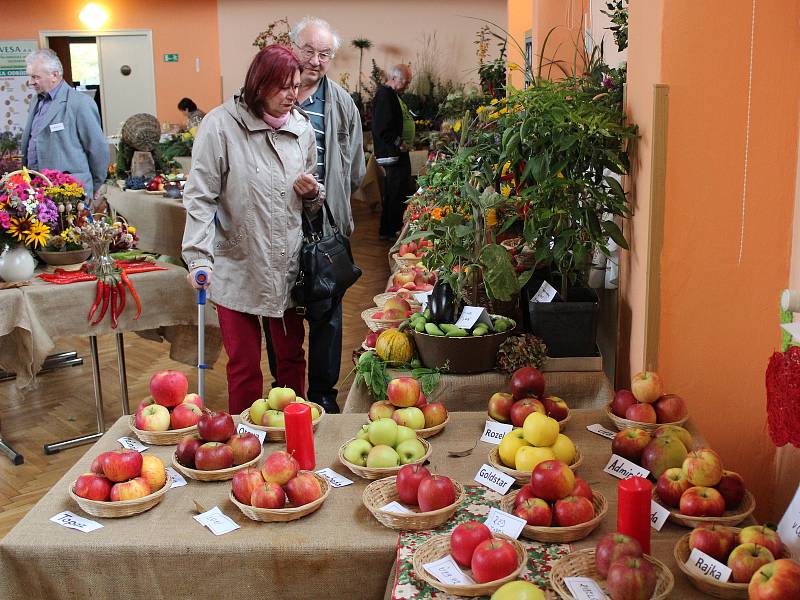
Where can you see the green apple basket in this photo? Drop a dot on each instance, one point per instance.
(523, 477)
(372, 473)
(429, 432)
(121, 508)
(278, 434)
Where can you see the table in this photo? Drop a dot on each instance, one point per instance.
(159, 220)
(339, 549)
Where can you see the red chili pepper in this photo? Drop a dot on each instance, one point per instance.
(96, 304)
(114, 294)
(134, 295)
(121, 298)
(106, 294)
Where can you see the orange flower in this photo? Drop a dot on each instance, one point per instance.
(491, 217)
(436, 214)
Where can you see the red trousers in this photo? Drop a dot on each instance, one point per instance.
(241, 336)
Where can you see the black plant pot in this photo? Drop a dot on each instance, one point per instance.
(567, 328)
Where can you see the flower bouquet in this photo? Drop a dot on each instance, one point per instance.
(27, 212)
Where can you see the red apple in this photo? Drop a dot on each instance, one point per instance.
(715, 540)
(646, 387)
(153, 418)
(168, 388)
(245, 482)
(213, 456)
(403, 391)
(408, 479)
(435, 414)
(535, 511)
(186, 414)
(193, 399)
(671, 485)
(732, 488)
(246, 446)
(93, 487)
(622, 400)
(573, 510)
(527, 381)
(303, 489)
(701, 501)
(381, 409)
(465, 538)
(613, 546)
(435, 492)
(403, 276)
(631, 579)
(582, 488)
(703, 467)
(663, 453)
(422, 401)
(763, 536)
(186, 450)
(144, 404)
(746, 559)
(670, 408)
(555, 407)
(280, 467)
(522, 408)
(552, 480)
(215, 426)
(630, 443)
(642, 413)
(493, 559)
(130, 490)
(97, 463)
(779, 580)
(268, 495)
(122, 464)
(500, 407)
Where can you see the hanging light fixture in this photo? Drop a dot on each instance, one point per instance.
(93, 16)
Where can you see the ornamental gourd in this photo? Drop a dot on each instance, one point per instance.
(394, 346)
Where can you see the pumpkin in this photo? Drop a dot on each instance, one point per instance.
(394, 346)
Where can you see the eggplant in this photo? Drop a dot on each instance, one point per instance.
(442, 303)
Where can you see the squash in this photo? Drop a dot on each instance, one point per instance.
(393, 346)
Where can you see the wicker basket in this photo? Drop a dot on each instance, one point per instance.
(522, 477)
(283, 515)
(439, 546)
(160, 438)
(581, 564)
(406, 262)
(562, 424)
(709, 586)
(730, 518)
(278, 434)
(122, 508)
(429, 432)
(142, 131)
(376, 324)
(621, 423)
(381, 299)
(559, 535)
(375, 472)
(383, 491)
(218, 475)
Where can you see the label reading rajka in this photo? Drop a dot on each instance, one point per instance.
(261, 435)
(218, 522)
(600, 430)
(503, 522)
(334, 478)
(703, 564)
(447, 571)
(584, 588)
(132, 444)
(789, 525)
(494, 479)
(493, 432)
(658, 515)
(73, 521)
(622, 468)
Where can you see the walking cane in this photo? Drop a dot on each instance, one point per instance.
(201, 277)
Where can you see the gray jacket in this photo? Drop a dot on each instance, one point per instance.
(243, 218)
(71, 139)
(344, 154)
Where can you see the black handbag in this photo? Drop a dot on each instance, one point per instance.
(326, 264)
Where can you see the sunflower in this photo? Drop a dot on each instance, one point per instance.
(37, 234)
(19, 228)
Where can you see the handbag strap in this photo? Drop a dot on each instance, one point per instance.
(308, 229)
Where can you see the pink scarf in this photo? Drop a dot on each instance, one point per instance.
(276, 122)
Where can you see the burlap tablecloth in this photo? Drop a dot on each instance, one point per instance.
(340, 551)
(159, 221)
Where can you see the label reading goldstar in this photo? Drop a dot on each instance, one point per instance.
(494, 479)
(494, 432)
(622, 468)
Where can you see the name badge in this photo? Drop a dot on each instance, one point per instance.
(494, 432)
(658, 515)
(702, 563)
(132, 444)
(73, 521)
(56, 127)
(503, 522)
(447, 571)
(584, 588)
(600, 430)
(622, 468)
(494, 479)
(261, 435)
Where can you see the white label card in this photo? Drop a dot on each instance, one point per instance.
(56, 127)
(789, 525)
(73, 521)
(261, 435)
(600, 430)
(334, 478)
(584, 588)
(396, 507)
(217, 521)
(177, 478)
(494, 479)
(494, 432)
(132, 444)
(503, 522)
(622, 468)
(658, 515)
(447, 571)
(702, 563)
(422, 298)
(471, 315)
(546, 293)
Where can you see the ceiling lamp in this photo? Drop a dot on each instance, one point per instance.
(93, 16)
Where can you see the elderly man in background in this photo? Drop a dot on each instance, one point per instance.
(63, 131)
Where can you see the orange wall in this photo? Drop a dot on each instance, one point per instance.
(566, 18)
(188, 29)
(520, 20)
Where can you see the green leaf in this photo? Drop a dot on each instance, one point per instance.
(498, 272)
(615, 234)
(417, 235)
(615, 187)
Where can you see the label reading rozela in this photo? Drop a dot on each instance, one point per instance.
(494, 432)
(707, 566)
(494, 479)
(622, 468)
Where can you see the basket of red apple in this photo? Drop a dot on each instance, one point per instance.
(381, 448)
(557, 506)
(394, 312)
(411, 254)
(414, 279)
(121, 483)
(413, 500)
(538, 440)
(279, 491)
(701, 491)
(750, 553)
(408, 407)
(618, 565)
(266, 414)
(645, 406)
(169, 413)
(401, 294)
(527, 395)
(216, 452)
(488, 559)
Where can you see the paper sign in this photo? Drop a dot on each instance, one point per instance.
(261, 435)
(471, 315)
(502, 522)
(177, 478)
(447, 571)
(334, 478)
(600, 430)
(396, 507)
(622, 468)
(584, 588)
(546, 293)
(132, 444)
(702, 563)
(494, 432)
(658, 515)
(789, 526)
(73, 521)
(217, 521)
(793, 329)
(494, 479)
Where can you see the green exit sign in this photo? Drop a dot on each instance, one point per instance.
(170, 58)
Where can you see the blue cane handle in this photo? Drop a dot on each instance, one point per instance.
(201, 278)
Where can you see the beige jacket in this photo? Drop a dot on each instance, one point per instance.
(243, 219)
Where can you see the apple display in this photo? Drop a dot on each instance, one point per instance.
(670, 486)
(647, 386)
(493, 559)
(535, 511)
(732, 488)
(408, 479)
(663, 453)
(528, 457)
(382, 457)
(279, 467)
(500, 405)
(435, 492)
(153, 418)
(540, 430)
(435, 414)
(93, 487)
(130, 490)
(356, 452)
(630, 443)
(122, 465)
(622, 400)
(184, 415)
(763, 536)
(552, 480)
(465, 538)
(383, 432)
(572, 510)
(779, 580)
(186, 450)
(555, 407)
(702, 502)
(268, 495)
(745, 560)
(257, 410)
(215, 426)
(703, 467)
(213, 456)
(715, 540)
(564, 449)
(631, 579)
(403, 391)
(507, 450)
(303, 489)
(670, 408)
(279, 397)
(612, 547)
(676, 431)
(410, 451)
(245, 482)
(526, 382)
(582, 488)
(246, 446)
(641, 413)
(382, 409)
(522, 408)
(168, 388)
(193, 399)
(410, 416)
(273, 418)
(153, 472)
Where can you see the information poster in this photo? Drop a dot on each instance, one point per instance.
(15, 95)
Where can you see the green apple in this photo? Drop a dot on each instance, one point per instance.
(383, 432)
(279, 397)
(382, 456)
(405, 433)
(314, 409)
(273, 418)
(363, 433)
(356, 452)
(257, 410)
(410, 416)
(410, 451)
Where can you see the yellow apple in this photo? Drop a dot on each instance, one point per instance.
(540, 430)
(564, 449)
(528, 457)
(509, 445)
(153, 471)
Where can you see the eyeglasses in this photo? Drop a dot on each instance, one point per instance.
(307, 53)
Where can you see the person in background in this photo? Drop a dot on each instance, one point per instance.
(392, 124)
(193, 114)
(63, 131)
(252, 176)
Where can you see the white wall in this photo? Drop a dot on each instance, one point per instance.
(597, 26)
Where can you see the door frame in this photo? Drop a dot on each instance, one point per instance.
(148, 33)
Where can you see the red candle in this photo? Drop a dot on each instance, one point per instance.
(299, 434)
(633, 509)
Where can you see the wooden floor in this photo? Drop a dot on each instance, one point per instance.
(62, 406)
